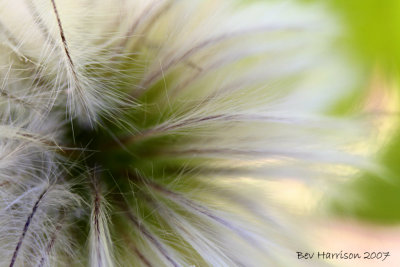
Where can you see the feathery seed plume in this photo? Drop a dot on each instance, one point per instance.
(138, 132)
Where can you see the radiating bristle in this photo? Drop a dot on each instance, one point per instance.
(136, 132)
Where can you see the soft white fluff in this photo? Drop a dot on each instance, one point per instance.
(199, 94)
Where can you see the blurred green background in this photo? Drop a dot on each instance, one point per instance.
(371, 38)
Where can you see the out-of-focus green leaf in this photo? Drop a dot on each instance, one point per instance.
(372, 37)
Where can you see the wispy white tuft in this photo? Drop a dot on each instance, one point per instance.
(100, 240)
(185, 109)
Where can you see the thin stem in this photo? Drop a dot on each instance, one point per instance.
(26, 227)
